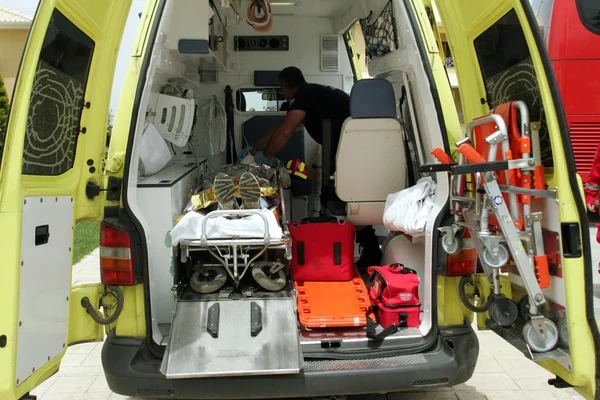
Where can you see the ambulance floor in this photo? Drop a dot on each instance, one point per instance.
(502, 372)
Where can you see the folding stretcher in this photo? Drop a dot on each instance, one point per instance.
(500, 160)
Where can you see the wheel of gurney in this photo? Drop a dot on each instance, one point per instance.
(504, 311)
(498, 261)
(208, 279)
(269, 275)
(454, 247)
(524, 308)
(563, 332)
(535, 342)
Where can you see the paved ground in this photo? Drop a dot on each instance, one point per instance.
(502, 372)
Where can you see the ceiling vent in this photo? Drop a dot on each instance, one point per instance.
(330, 53)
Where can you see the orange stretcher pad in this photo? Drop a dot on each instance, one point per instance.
(333, 304)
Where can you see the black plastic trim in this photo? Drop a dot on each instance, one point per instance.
(570, 165)
(350, 54)
(131, 371)
(466, 169)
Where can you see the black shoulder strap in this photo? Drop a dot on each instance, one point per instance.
(372, 332)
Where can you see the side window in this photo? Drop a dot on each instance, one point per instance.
(57, 99)
(261, 100)
(508, 73)
(589, 12)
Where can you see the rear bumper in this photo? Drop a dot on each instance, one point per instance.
(132, 371)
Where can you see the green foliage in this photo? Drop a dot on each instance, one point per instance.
(3, 108)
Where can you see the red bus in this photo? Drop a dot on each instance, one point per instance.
(571, 29)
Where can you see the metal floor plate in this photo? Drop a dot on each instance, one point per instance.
(233, 338)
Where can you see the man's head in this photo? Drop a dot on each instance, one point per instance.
(290, 79)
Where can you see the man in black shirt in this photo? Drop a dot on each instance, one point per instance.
(310, 105)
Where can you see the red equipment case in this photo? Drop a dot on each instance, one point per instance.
(394, 292)
(322, 250)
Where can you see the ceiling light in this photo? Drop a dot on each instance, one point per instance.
(283, 4)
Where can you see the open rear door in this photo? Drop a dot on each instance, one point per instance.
(500, 57)
(52, 156)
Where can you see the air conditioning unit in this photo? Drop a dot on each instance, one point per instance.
(330, 53)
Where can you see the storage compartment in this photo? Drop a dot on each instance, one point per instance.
(162, 196)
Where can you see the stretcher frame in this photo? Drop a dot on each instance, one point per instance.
(232, 252)
(520, 234)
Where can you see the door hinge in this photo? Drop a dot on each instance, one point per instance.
(113, 192)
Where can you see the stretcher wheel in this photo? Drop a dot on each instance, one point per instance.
(524, 307)
(497, 261)
(563, 331)
(269, 275)
(535, 342)
(504, 311)
(208, 279)
(453, 247)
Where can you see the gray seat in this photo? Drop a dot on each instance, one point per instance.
(371, 161)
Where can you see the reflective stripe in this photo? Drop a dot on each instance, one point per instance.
(301, 175)
(115, 253)
(592, 187)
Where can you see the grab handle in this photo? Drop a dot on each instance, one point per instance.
(229, 213)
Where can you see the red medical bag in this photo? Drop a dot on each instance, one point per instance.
(322, 250)
(394, 292)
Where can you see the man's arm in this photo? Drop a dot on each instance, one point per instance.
(283, 133)
(261, 142)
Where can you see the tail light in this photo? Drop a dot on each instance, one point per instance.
(116, 268)
(463, 263)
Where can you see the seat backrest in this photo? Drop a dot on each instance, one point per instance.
(371, 159)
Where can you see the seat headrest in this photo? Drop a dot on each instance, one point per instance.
(372, 98)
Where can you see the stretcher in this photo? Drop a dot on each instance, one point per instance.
(501, 161)
(237, 254)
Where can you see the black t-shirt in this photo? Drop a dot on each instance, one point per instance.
(322, 103)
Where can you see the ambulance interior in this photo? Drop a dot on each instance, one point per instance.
(211, 88)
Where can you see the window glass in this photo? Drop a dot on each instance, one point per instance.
(261, 100)
(589, 12)
(508, 73)
(57, 98)
(543, 15)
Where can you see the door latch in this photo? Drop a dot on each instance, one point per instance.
(113, 191)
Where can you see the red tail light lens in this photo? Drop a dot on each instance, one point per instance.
(115, 257)
(463, 263)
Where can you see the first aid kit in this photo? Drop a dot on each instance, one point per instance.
(394, 293)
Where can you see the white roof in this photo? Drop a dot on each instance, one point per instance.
(14, 19)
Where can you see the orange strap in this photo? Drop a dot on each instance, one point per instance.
(542, 272)
(471, 154)
(441, 156)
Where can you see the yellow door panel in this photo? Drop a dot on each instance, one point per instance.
(499, 60)
(54, 149)
(82, 329)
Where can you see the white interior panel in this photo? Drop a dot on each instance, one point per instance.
(45, 282)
